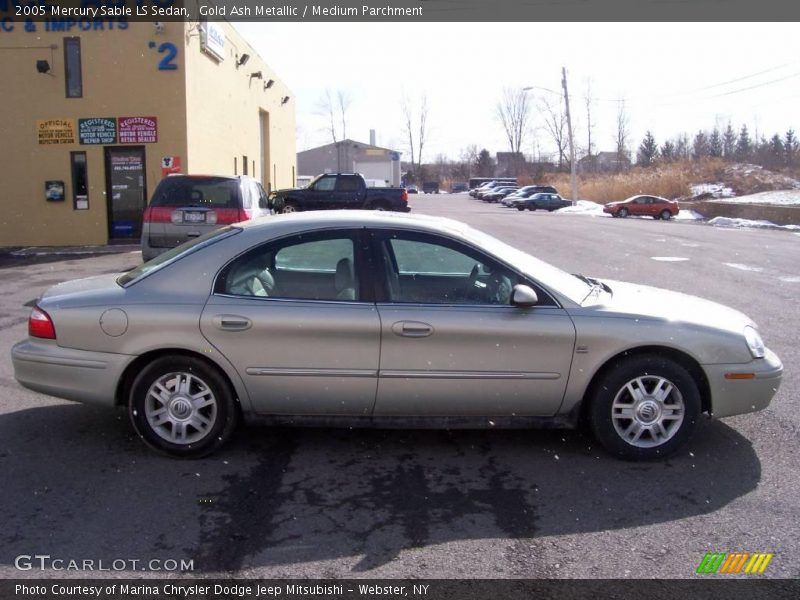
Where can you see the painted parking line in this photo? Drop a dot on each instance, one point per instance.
(669, 258)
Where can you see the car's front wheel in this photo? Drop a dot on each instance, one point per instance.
(623, 212)
(666, 215)
(644, 407)
(290, 207)
(183, 407)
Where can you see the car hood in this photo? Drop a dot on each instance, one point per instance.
(284, 191)
(613, 203)
(645, 302)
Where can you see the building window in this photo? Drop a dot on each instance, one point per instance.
(244, 165)
(72, 67)
(80, 181)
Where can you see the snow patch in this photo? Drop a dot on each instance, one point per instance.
(790, 278)
(742, 267)
(584, 207)
(688, 215)
(714, 190)
(780, 197)
(669, 258)
(749, 223)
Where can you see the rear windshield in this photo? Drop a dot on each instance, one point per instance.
(170, 256)
(210, 192)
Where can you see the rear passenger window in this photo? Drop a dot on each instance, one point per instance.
(348, 184)
(297, 268)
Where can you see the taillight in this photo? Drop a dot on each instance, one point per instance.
(404, 196)
(226, 216)
(40, 325)
(157, 214)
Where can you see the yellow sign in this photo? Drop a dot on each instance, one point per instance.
(56, 131)
(375, 152)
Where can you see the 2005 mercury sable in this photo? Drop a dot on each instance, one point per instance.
(383, 319)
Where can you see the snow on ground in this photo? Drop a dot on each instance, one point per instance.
(689, 215)
(584, 207)
(717, 190)
(782, 197)
(737, 223)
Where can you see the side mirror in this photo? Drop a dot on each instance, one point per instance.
(524, 296)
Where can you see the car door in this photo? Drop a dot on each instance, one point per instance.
(451, 342)
(349, 189)
(323, 194)
(293, 318)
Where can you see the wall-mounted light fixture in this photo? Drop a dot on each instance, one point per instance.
(242, 60)
(256, 75)
(269, 84)
(284, 100)
(42, 66)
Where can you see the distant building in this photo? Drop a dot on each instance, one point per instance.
(604, 162)
(349, 156)
(509, 164)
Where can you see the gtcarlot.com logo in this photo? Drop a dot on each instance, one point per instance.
(45, 562)
(748, 563)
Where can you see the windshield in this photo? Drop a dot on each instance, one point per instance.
(176, 253)
(570, 286)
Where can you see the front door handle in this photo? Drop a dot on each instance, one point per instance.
(231, 322)
(412, 329)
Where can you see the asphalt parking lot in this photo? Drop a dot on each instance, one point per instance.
(77, 484)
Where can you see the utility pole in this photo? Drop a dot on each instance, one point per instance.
(572, 178)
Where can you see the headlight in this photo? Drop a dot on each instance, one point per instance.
(754, 342)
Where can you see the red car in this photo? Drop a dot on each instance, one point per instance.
(643, 206)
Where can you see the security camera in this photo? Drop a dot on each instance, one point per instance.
(159, 26)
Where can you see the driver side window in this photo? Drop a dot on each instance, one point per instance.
(426, 270)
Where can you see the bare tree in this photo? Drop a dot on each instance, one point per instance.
(344, 101)
(555, 123)
(327, 109)
(412, 126)
(513, 111)
(622, 135)
(589, 124)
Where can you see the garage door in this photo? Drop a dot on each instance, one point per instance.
(375, 170)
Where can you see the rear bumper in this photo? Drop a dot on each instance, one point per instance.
(79, 375)
(739, 396)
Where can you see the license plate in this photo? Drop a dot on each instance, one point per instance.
(194, 217)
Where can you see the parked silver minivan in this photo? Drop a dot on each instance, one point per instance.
(187, 206)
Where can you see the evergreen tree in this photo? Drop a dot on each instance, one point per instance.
(744, 147)
(682, 147)
(791, 148)
(700, 146)
(668, 151)
(648, 150)
(776, 151)
(484, 165)
(715, 144)
(729, 142)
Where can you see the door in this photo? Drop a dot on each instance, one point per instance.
(126, 191)
(350, 191)
(322, 195)
(452, 343)
(291, 317)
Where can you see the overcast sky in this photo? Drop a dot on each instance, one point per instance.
(674, 77)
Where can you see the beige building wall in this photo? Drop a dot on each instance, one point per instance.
(208, 113)
(120, 78)
(227, 108)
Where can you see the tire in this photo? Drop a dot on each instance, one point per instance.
(205, 422)
(632, 416)
(521, 208)
(666, 215)
(380, 206)
(290, 207)
(623, 212)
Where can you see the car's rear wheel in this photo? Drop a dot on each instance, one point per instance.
(644, 407)
(623, 212)
(182, 406)
(666, 215)
(521, 208)
(290, 207)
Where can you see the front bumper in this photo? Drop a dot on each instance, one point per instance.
(739, 396)
(79, 375)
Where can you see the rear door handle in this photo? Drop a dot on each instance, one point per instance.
(231, 322)
(412, 329)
